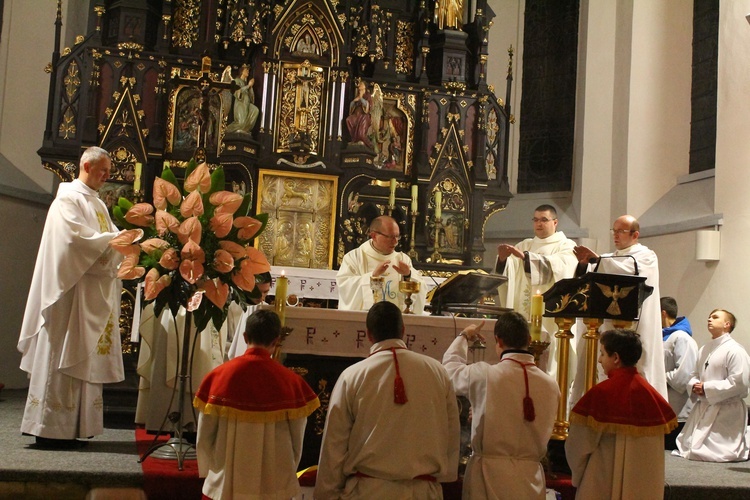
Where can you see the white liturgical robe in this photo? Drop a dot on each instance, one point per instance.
(375, 448)
(353, 279)
(651, 364)
(70, 338)
(715, 429)
(550, 260)
(507, 450)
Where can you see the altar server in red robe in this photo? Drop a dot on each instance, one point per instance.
(253, 413)
(615, 447)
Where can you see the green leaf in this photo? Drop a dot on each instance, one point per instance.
(218, 181)
(120, 218)
(245, 206)
(168, 175)
(124, 203)
(201, 317)
(218, 316)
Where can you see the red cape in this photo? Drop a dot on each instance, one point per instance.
(625, 403)
(255, 388)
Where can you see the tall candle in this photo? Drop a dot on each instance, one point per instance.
(282, 285)
(392, 196)
(537, 309)
(137, 180)
(414, 192)
(438, 204)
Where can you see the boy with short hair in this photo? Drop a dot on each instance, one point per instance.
(715, 429)
(615, 447)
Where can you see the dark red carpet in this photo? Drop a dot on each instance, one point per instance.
(162, 480)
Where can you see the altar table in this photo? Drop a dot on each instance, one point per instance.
(331, 332)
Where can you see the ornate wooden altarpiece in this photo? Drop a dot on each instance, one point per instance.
(154, 81)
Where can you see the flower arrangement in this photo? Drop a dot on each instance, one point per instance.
(192, 245)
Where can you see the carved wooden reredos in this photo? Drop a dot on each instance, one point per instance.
(341, 97)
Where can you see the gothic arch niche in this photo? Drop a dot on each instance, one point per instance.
(454, 219)
(309, 24)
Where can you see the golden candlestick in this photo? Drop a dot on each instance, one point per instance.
(412, 244)
(537, 348)
(563, 336)
(408, 287)
(436, 256)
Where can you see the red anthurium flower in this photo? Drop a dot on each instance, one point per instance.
(170, 259)
(244, 278)
(190, 229)
(192, 205)
(154, 246)
(248, 227)
(140, 215)
(235, 249)
(193, 257)
(223, 261)
(225, 201)
(200, 178)
(165, 191)
(257, 260)
(154, 284)
(216, 291)
(125, 239)
(129, 269)
(166, 222)
(221, 224)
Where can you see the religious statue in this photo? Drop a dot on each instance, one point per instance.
(245, 111)
(359, 120)
(305, 45)
(449, 14)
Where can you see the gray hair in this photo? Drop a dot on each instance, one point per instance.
(94, 154)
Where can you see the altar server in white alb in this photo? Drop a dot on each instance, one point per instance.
(70, 338)
(533, 266)
(377, 257)
(630, 255)
(392, 429)
(514, 405)
(715, 429)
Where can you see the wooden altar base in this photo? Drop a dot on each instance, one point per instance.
(111, 461)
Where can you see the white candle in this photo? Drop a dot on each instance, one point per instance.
(438, 204)
(137, 180)
(414, 191)
(392, 196)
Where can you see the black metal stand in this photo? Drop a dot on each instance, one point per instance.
(176, 448)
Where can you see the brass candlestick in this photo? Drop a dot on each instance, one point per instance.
(436, 256)
(408, 287)
(537, 348)
(412, 244)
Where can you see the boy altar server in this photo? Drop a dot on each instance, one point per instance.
(615, 448)
(513, 403)
(715, 429)
(253, 413)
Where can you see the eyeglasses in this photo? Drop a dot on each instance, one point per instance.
(394, 237)
(543, 219)
(620, 231)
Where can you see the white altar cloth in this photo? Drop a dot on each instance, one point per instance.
(330, 332)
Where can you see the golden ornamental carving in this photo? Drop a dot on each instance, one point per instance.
(301, 108)
(72, 81)
(301, 208)
(186, 22)
(130, 46)
(577, 301)
(404, 47)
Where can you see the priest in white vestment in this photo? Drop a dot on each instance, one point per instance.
(533, 266)
(514, 405)
(374, 258)
(715, 429)
(392, 429)
(70, 337)
(159, 363)
(630, 255)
